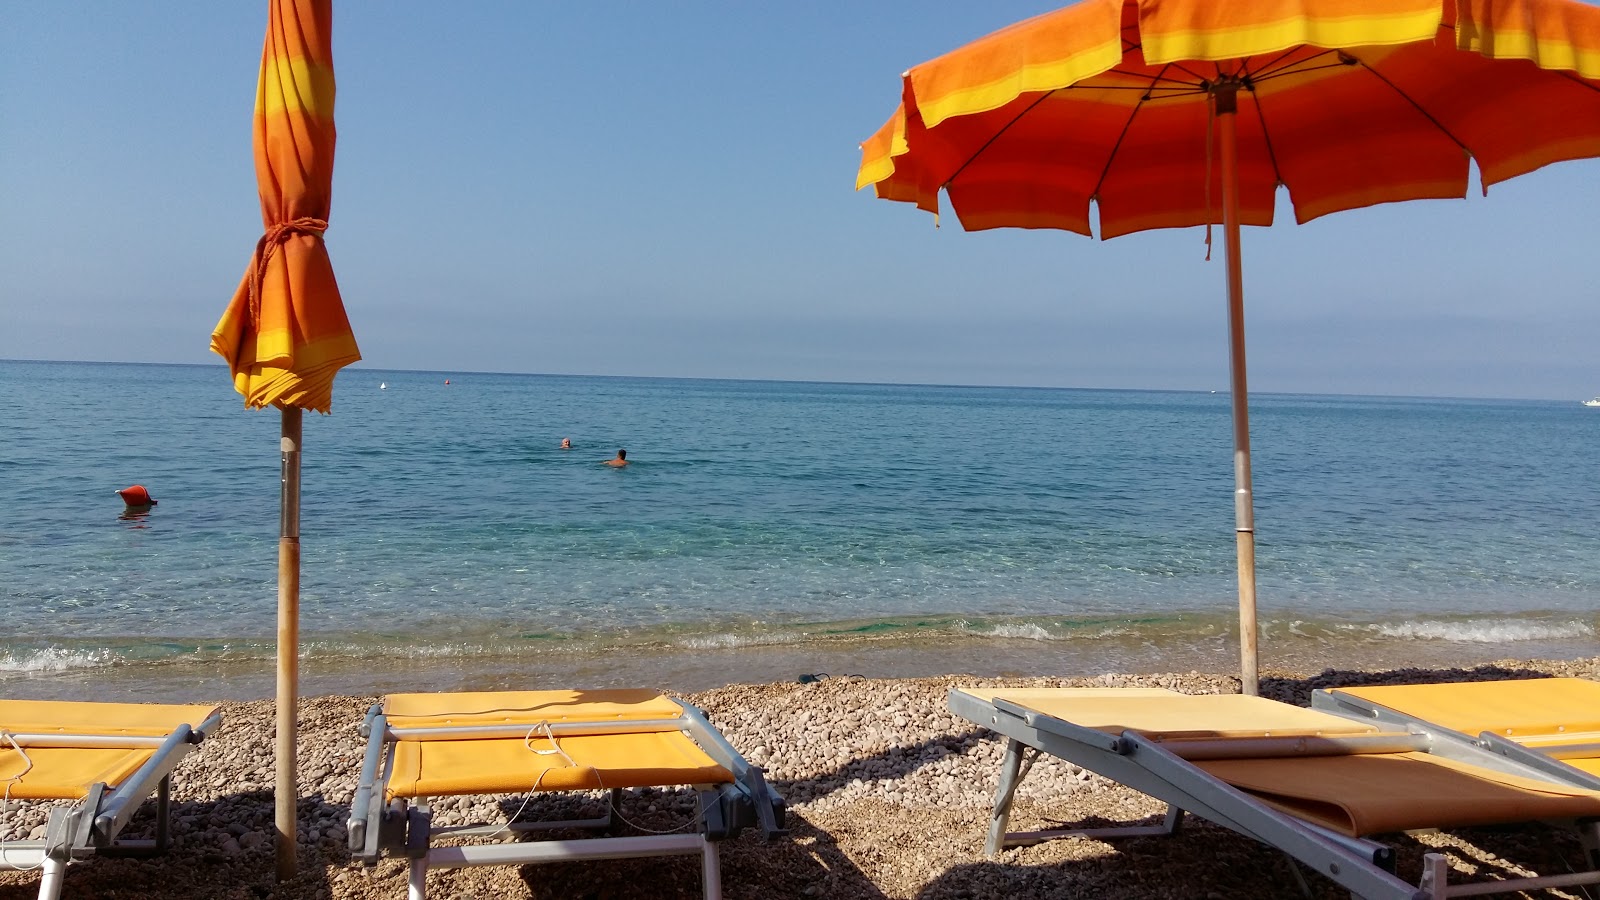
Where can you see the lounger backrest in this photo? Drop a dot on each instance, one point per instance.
(60, 717)
(1526, 711)
(528, 708)
(1170, 716)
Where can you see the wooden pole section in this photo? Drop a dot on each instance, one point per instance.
(1244, 516)
(287, 793)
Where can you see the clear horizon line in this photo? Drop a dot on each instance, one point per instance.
(910, 384)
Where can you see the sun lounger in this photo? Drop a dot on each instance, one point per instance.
(108, 757)
(520, 742)
(1308, 782)
(1551, 724)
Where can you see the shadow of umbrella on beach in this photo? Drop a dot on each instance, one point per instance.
(1190, 112)
(285, 334)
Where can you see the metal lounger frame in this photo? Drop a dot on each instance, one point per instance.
(1545, 760)
(1362, 866)
(94, 824)
(726, 809)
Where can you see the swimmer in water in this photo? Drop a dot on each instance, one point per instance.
(621, 460)
(566, 443)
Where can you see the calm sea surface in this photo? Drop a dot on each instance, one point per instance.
(767, 529)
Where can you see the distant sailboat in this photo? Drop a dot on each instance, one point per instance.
(383, 385)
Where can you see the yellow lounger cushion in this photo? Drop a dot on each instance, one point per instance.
(1373, 794)
(66, 773)
(64, 717)
(526, 707)
(1163, 715)
(1520, 710)
(509, 766)
(664, 757)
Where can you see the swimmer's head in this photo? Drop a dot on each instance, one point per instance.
(622, 454)
(566, 443)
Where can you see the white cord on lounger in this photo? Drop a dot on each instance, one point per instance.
(555, 750)
(27, 766)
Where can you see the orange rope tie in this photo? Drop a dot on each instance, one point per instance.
(268, 245)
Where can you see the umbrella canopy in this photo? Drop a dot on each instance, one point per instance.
(1347, 103)
(285, 334)
(1169, 113)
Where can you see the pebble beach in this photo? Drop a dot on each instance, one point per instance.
(889, 797)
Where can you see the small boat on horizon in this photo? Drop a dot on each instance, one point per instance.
(383, 385)
(1594, 402)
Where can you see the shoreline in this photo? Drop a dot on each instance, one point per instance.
(889, 798)
(684, 670)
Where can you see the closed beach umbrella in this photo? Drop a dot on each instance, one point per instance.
(1170, 113)
(285, 334)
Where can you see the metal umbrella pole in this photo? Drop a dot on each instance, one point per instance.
(1225, 96)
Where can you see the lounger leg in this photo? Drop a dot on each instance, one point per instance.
(1589, 835)
(1435, 870)
(163, 813)
(1010, 777)
(613, 823)
(54, 871)
(419, 836)
(417, 884)
(1299, 877)
(711, 871)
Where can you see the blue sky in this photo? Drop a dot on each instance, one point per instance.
(666, 190)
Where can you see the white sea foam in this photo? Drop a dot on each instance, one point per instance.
(1490, 631)
(54, 659)
(339, 650)
(1023, 630)
(726, 641)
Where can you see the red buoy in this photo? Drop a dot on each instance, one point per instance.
(136, 496)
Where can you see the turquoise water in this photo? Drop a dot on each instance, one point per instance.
(765, 528)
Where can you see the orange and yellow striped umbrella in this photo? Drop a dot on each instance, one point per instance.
(285, 334)
(1347, 103)
(1167, 113)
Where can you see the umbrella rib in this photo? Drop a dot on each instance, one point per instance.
(1266, 138)
(1106, 169)
(1408, 98)
(1267, 71)
(1195, 75)
(1249, 80)
(994, 137)
(1131, 87)
(1160, 76)
(1286, 71)
(1575, 77)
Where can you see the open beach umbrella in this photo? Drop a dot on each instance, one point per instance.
(1170, 113)
(285, 334)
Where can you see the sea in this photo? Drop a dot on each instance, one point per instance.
(769, 530)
